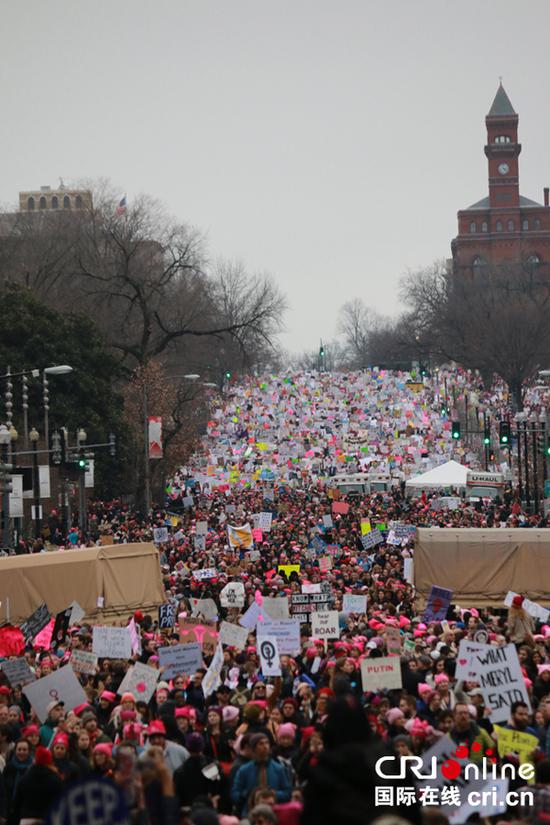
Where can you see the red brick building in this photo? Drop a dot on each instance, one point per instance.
(504, 227)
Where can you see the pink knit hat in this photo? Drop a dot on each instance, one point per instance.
(286, 729)
(393, 715)
(441, 677)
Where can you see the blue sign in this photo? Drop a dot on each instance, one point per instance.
(92, 802)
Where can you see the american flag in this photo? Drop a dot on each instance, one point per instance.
(121, 208)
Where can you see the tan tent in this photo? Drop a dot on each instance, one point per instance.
(482, 566)
(127, 576)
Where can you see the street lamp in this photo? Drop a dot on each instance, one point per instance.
(34, 435)
(56, 369)
(61, 369)
(5, 439)
(81, 438)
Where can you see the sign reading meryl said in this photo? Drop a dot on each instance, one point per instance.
(501, 680)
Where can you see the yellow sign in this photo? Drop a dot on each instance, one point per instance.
(516, 742)
(365, 526)
(287, 569)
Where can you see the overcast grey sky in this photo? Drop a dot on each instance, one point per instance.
(329, 143)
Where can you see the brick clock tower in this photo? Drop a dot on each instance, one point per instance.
(505, 227)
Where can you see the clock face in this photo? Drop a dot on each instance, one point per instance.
(503, 169)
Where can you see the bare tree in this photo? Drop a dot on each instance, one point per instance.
(357, 323)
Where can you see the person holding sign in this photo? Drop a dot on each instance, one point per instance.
(521, 626)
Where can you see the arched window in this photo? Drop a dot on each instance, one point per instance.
(533, 259)
(55, 202)
(473, 227)
(478, 262)
(30, 203)
(66, 202)
(503, 139)
(510, 226)
(499, 226)
(42, 202)
(484, 227)
(78, 202)
(525, 225)
(537, 224)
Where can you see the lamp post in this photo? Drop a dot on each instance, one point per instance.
(5, 439)
(59, 369)
(81, 438)
(34, 435)
(14, 435)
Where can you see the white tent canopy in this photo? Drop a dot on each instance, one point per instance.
(450, 474)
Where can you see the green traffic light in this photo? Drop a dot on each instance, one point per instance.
(82, 463)
(504, 439)
(486, 440)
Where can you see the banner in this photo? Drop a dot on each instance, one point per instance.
(354, 604)
(275, 607)
(167, 615)
(382, 673)
(516, 742)
(205, 573)
(211, 678)
(155, 436)
(179, 659)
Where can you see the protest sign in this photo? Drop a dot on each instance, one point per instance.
(408, 570)
(340, 508)
(383, 673)
(325, 564)
(232, 595)
(311, 588)
(500, 679)
(141, 680)
(275, 608)
(61, 627)
(77, 613)
(445, 751)
(18, 672)
(287, 569)
(354, 604)
(465, 663)
(204, 609)
(167, 615)
(211, 678)
(233, 635)
(519, 743)
(439, 599)
(270, 660)
(240, 537)
(327, 522)
(201, 528)
(199, 543)
(89, 800)
(44, 638)
(36, 622)
(365, 526)
(372, 539)
(205, 573)
(251, 617)
(135, 638)
(160, 535)
(393, 641)
(111, 642)
(83, 662)
(265, 521)
(537, 611)
(309, 602)
(61, 686)
(179, 659)
(286, 631)
(324, 625)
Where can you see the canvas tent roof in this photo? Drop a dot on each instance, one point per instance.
(450, 474)
(480, 565)
(127, 576)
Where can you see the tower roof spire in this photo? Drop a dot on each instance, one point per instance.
(501, 104)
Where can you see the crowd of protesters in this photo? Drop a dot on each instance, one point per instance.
(300, 747)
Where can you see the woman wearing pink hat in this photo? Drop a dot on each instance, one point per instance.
(521, 626)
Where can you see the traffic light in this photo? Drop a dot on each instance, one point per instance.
(82, 463)
(504, 434)
(321, 351)
(228, 375)
(444, 409)
(455, 431)
(487, 436)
